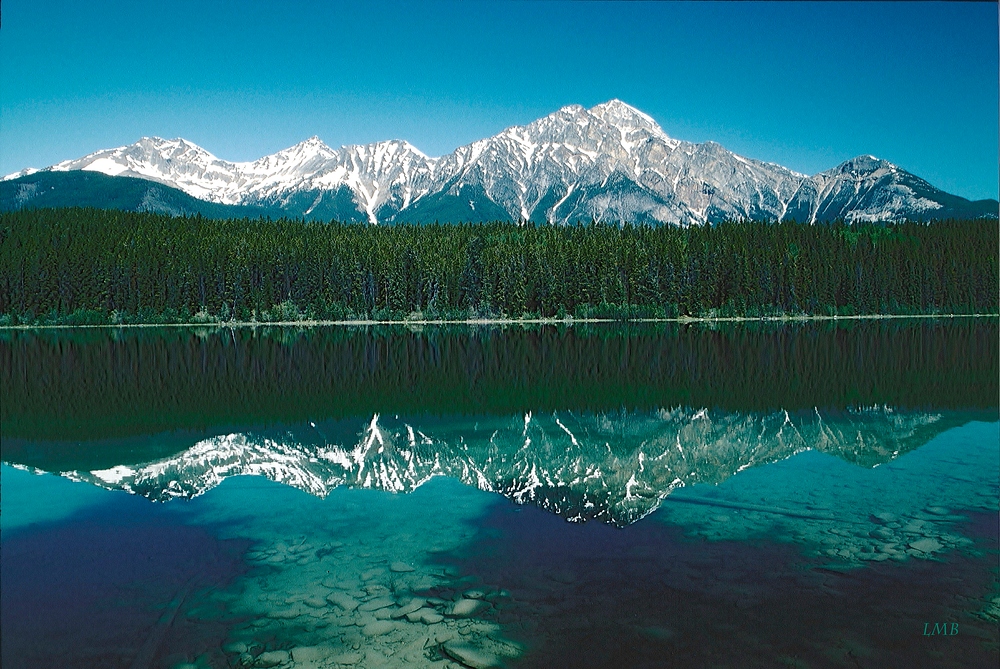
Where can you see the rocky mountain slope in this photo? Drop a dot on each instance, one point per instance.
(615, 468)
(607, 163)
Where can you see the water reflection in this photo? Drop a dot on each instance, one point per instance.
(774, 496)
(611, 467)
(370, 578)
(103, 385)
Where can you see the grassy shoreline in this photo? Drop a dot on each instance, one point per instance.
(499, 321)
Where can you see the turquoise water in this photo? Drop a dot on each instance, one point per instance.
(701, 536)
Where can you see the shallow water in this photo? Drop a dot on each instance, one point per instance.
(606, 529)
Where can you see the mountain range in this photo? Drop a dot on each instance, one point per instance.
(609, 163)
(613, 467)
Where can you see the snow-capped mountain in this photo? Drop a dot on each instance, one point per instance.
(608, 163)
(380, 174)
(615, 468)
(612, 162)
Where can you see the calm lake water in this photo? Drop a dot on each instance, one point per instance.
(804, 495)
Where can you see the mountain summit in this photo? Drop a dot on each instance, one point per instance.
(611, 162)
(613, 468)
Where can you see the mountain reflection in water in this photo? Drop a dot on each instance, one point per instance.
(809, 494)
(611, 467)
(70, 386)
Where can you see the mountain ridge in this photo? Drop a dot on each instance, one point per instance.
(615, 468)
(611, 163)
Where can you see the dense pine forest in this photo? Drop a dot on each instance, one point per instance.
(103, 266)
(110, 383)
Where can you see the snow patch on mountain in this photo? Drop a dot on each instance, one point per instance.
(611, 162)
(615, 468)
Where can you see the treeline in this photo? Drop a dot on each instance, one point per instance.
(88, 265)
(108, 383)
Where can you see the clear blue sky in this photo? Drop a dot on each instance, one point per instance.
(806, 85)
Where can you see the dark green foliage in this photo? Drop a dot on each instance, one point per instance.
(93, 189)
(470, 204)
(106, 383)
(89, 265)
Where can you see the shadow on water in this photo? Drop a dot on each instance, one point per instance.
(69, 388)
(256, 562)
(647, 596)
(102, 587)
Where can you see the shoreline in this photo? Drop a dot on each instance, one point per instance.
(684, 320)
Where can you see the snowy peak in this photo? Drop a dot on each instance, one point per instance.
(617, 113)
(308, 148)
(174, 162)
(864, 166)
(404, 147)
(173, 148)
(312, 141)
(387, 154)
(615, 468)
(299, 160)
(587, 129)
(27, 171)
(610, 163)
(157, 149)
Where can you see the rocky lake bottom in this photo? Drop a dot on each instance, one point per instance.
(619, 495)
(803, 561)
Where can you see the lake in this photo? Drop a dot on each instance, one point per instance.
(813, 494)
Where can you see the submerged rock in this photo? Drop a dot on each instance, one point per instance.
(272, 658)
(883, 533)
(377, 590)
(376, 604)
(342, 600)
(285, 614)
(470, 655)
(312, 653)
(414, 605)
(926, 545)
(400, 567)
(464, 607)
(378, 628)
(426, 616)
(346, 658)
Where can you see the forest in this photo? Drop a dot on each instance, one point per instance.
(118, 383)
(90, 266)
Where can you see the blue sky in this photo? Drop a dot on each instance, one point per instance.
(806, 85)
